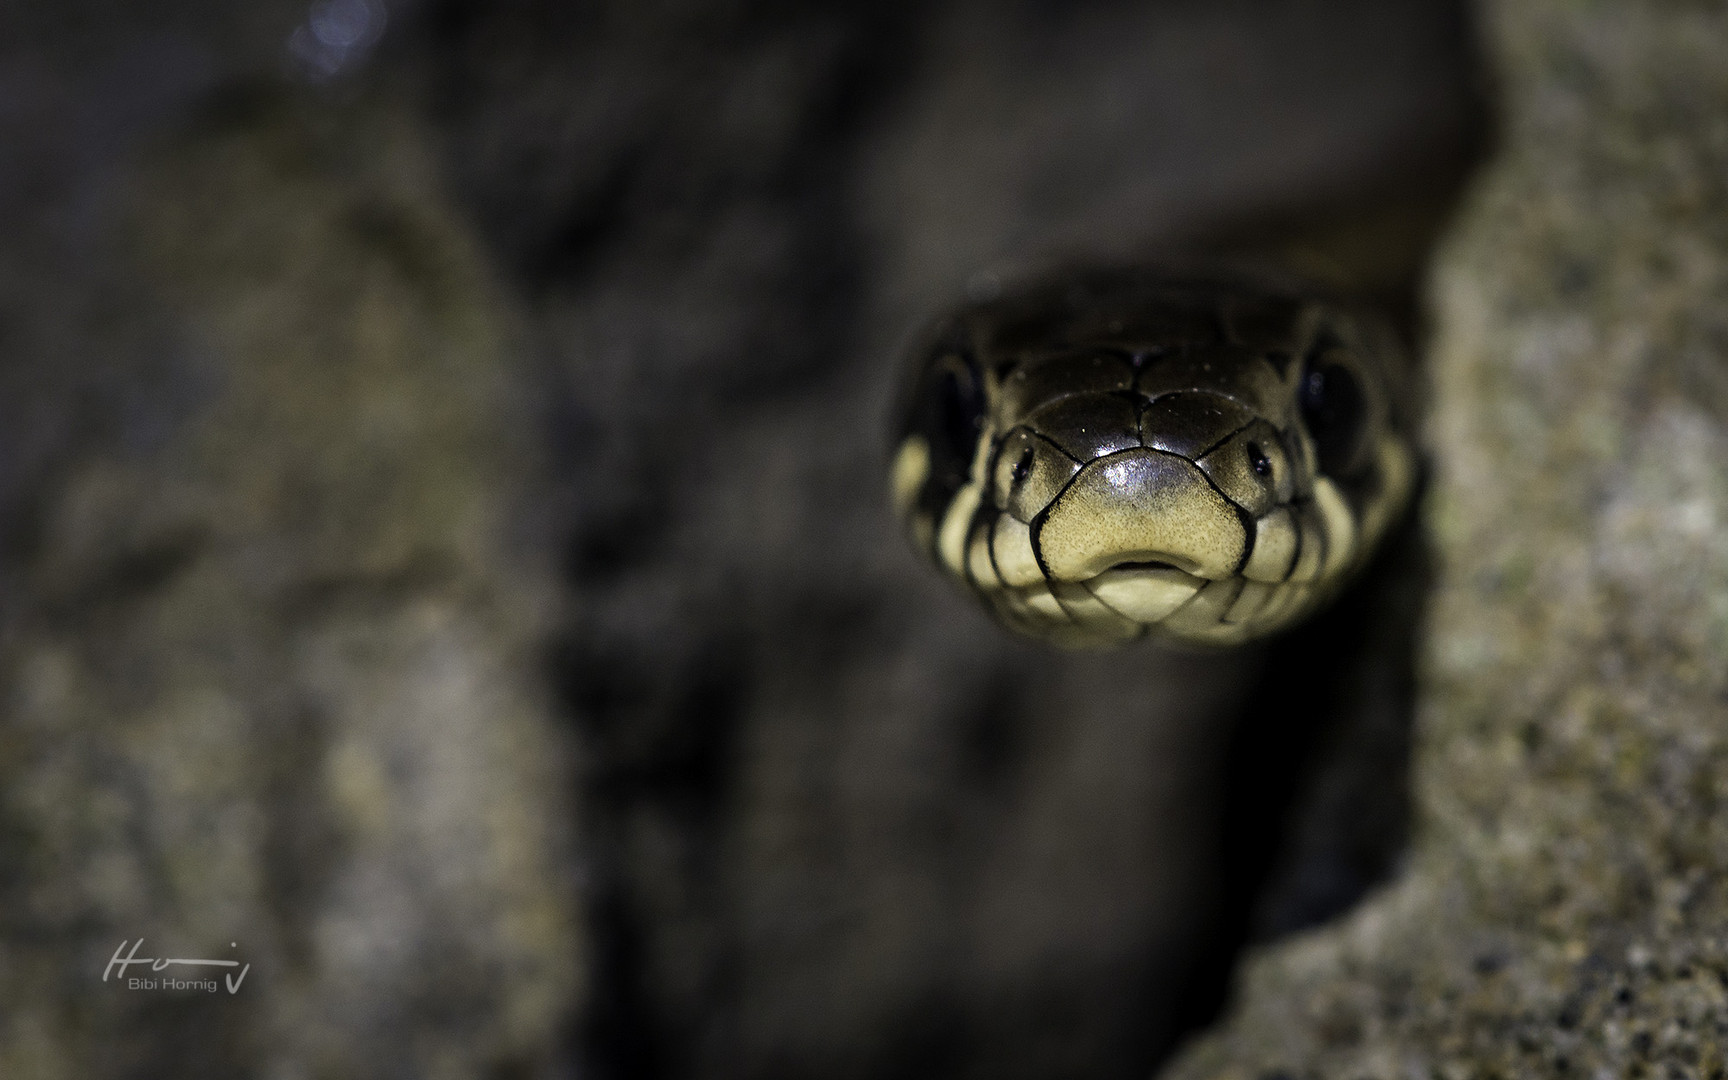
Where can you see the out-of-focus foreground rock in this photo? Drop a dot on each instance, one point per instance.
(275, 639)
(1565, 909)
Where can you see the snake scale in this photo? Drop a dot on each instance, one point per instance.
(1202, 457)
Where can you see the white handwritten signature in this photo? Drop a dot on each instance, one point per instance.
(124, 962)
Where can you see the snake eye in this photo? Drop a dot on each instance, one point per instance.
(947, 410)
(959, 412)
(1335, 410)
(943, 417)
(1023, 467)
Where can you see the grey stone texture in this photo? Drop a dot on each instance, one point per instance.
(1563, 913)
(273, 650)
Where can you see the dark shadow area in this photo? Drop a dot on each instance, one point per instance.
(1315, 787)
(721, 218)
(443, 514)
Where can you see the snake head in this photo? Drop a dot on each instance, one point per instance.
(1198, 459)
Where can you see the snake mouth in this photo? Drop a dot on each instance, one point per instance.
(1147, 564)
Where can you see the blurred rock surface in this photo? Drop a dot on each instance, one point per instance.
(1563, 915)
(274, 638)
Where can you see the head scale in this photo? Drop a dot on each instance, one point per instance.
(1202, 459)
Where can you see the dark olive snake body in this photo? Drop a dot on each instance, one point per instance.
(1197, 457)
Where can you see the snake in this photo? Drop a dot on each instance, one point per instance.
(1201, 457)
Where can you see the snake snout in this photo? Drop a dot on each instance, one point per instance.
(1139, 507)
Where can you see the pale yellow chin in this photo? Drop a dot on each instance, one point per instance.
(1145, 594)
(1161, 602)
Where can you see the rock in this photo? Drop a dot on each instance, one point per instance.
(274, 662)
(1562, 913)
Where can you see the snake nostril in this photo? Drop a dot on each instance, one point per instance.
(1023, 467)
(1258, 461)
